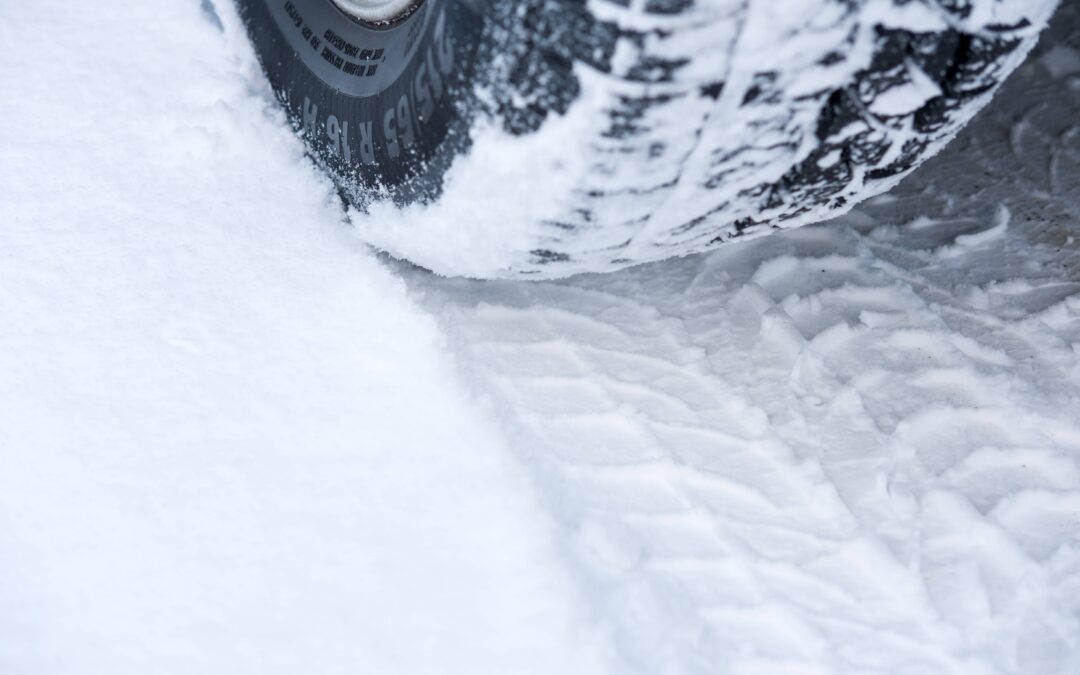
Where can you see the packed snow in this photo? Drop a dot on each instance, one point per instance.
(234, 439)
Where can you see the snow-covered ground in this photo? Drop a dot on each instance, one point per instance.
(234, 440)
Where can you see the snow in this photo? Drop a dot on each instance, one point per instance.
(230, 442)
(233, 439)
(691, 171)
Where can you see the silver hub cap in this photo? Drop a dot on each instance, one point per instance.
(376, 10)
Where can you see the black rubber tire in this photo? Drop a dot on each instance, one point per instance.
(375, 103)
(696, 132)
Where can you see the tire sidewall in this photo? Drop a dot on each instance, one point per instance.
(376, 104)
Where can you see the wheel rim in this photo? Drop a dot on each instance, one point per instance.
(376, 11)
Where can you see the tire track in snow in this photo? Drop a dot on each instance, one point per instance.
(848, 447)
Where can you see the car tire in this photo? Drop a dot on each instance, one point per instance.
(542, 138)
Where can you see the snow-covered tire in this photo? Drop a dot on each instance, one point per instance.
(550, 137)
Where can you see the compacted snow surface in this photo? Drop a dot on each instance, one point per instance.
(235, 440)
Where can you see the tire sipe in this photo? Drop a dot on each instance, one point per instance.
(543, 138)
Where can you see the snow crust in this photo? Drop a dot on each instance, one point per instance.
(234, 440)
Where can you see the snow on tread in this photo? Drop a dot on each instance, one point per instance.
(675, 127)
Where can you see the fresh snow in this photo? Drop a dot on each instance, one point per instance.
(235, 440)
(230, 442)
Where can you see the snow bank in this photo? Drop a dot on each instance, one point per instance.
(229, 443)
